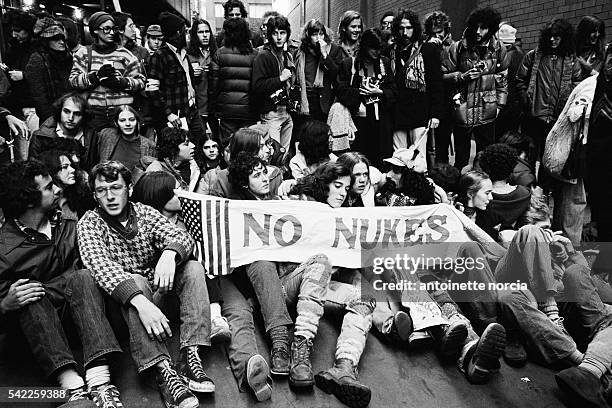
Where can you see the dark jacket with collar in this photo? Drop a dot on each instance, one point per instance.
(43, 139)
(266, 77)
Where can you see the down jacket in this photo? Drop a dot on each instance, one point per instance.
(480, 98)
(231, 83)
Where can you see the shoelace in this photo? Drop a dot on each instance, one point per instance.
(175, 385)
(559, 322)
(77, 395)
(303, 351)
(195, 363)
(106, 395)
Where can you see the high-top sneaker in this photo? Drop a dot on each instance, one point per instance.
(191, 370)
(78, 399)
(279, 355)
(300, 374)
(341, 380)
(174, 391)
(106, 396)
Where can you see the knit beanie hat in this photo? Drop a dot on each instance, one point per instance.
(170, 23)
(47, 27)
(97, 19)
(506, 33)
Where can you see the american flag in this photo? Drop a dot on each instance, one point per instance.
(207, 220)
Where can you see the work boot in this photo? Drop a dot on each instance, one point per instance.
(300, 374)
(341, 380)
(482, 359)
(279, 355)
(584, 388)
(452, 338)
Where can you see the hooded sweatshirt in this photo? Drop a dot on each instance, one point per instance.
(504, 210)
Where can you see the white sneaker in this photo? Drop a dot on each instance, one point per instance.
(220, 331)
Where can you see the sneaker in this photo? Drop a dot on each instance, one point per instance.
(583, 388)
(192, 372)
(258, 377)
(174, 391)
(78, 399)
(279, 355)
(401, 328)
(418, 339)
(106, 396)
(453, 337)
(220, 331)
(482, 359)
(300, 374)
(559, 323)
(341, 380)
(515, 354)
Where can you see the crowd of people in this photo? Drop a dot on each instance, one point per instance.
(99, 138)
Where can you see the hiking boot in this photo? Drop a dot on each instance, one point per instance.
(418, 339)
(106, 396)
(258, 377)
(220, 331)
(191, 371)
(453, 337)
(583, 388)
(279, 355)
(482, 359)
(78, 399)
(341, 380)
(300, 374)
(174, 391)
(401, 328)
(515, 354)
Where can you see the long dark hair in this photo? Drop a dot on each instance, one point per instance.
(154, 189)
(194, 41)
(562, 28)
(586, 26)
(417, 30)
(314, 145)
(316, 185)
(487, 16)
(237, 35)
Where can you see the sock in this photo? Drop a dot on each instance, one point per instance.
(215, 311)
(575, 358)
(594, 366)
(71, 380)
(98, 375)
(550, 308)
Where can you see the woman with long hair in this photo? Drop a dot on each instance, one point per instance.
(202, 47)
(474, 193)
(365, 179)
(590, 44)
(313, 149)
(349, 33)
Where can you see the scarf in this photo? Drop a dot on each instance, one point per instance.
(300, 65)
(414, 74)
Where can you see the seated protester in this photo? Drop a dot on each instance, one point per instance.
(313, 149)
(277, 151)
(156, 189)
(365, 179)
(253, 142)
(474, 193)
(124, 143)
(523, 173)
(40, 273)
(509, 202)
(329, 184)
(69, 121)
(75, 196)
(303, 285)
(175, 156)
(210, 163)
(132, 250)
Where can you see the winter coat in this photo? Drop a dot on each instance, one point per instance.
(479, 98)
(17, 59)
(109, 138)
(231, 83)
(266, 78)
(545, 82)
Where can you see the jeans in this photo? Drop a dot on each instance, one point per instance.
(42, 327)
(281, 127)
(22, 144)
(305, 290)
(483, 134)
(268, 291)
(570, 203)
(443, 139)
(190, 288)
(239, 314)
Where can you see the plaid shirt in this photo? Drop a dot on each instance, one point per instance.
(170, 92)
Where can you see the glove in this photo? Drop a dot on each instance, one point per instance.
(116, 83)
(93, 78)
(107, 71)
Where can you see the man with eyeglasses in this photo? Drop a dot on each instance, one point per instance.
(110, 73)
(41, 278)
(139, 258)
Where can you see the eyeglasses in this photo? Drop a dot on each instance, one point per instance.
(103, 191)
(107, 30)
(386, 24)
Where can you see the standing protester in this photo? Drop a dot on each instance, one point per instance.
(590, 44)
(386, 21)
(132, 250)
(231, 69)
(316, 64)
(417, 70)
(127, 33)
(20, 100)
(41, 276)
(509, 118)
(367, 88)
(202, 46)
(262, 28)
(546, 78)
(234, 9)
(109, 73)
(172, 81)
(273, 74)
(349, 32)
(438, 31)
(49, 67)
(154, 38)
(73, 35)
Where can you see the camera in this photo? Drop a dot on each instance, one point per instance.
(480, 65)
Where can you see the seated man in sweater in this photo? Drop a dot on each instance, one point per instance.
(137, 256)
(40, 276)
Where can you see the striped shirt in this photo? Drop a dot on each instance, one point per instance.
(100, 96)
